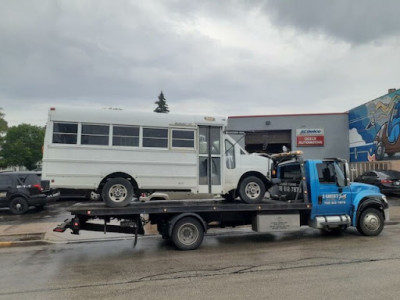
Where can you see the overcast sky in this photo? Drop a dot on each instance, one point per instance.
(211, 57)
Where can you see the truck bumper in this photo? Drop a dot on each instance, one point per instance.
(386, 213)
(53, 196)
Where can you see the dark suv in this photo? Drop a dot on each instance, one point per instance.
(21, 190)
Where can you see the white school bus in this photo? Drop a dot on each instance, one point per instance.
(121, 153)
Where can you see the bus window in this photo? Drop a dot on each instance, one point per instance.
(126, 136)
(230, 155)
(65, 133)
(182, 138)
(95, 134)
(155, 137)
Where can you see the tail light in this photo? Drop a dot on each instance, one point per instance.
(38, 186)
(386, 181)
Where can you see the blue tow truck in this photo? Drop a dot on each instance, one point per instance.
(315, 193)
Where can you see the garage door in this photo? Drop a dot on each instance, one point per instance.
(270, 141)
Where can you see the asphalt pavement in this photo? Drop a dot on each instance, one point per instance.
(36, 227)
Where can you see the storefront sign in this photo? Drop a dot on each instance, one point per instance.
(310, 137)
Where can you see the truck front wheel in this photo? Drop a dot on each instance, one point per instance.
(188, 234)
(117, 192)
(252, 190)
(371, 222)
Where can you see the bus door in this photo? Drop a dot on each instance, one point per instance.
(210, 159)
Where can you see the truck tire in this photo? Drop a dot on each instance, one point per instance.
(188, 234)
(252, 190)
(18, 206)
(117, 192)
(371, 222)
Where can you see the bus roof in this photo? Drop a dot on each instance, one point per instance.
(131, 117)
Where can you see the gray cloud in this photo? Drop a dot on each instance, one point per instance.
(225, 58)
(353, 21)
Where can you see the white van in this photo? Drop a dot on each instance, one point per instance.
(121, 153)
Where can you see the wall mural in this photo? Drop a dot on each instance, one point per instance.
(374, 129)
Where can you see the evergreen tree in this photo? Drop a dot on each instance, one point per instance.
(162, 104)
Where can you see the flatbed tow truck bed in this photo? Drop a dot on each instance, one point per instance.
(184, 221)
(180, 206)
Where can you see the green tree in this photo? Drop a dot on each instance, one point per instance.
(3, 123)
(3, 130)
(23, 146)
(162, 104)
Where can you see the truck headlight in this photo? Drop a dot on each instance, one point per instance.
(384, 199)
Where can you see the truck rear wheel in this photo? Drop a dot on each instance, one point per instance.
(371, 222)
(252, 190)
(188, 234)
(117, 192)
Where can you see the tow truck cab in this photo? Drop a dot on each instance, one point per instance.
(336, 202)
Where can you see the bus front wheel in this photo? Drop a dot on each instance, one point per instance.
(117, 192)
(252, 190)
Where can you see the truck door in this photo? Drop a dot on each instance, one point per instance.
(333, 196)
(210, 159)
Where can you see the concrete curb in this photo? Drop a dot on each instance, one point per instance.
(22, 239)
(22, 243)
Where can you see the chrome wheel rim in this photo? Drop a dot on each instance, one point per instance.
(372, 222)
(252, 190)
(118, 193)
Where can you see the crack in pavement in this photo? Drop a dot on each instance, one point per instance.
(279, 266)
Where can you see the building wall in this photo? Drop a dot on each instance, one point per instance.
(335, 126)
(374, 129)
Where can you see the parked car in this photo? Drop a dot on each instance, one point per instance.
(21, 190)
(387, 180)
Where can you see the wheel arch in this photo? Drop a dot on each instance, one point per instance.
(367, 202)
(13, 196)
(259, 175)
(120, 175)
(176, 218)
